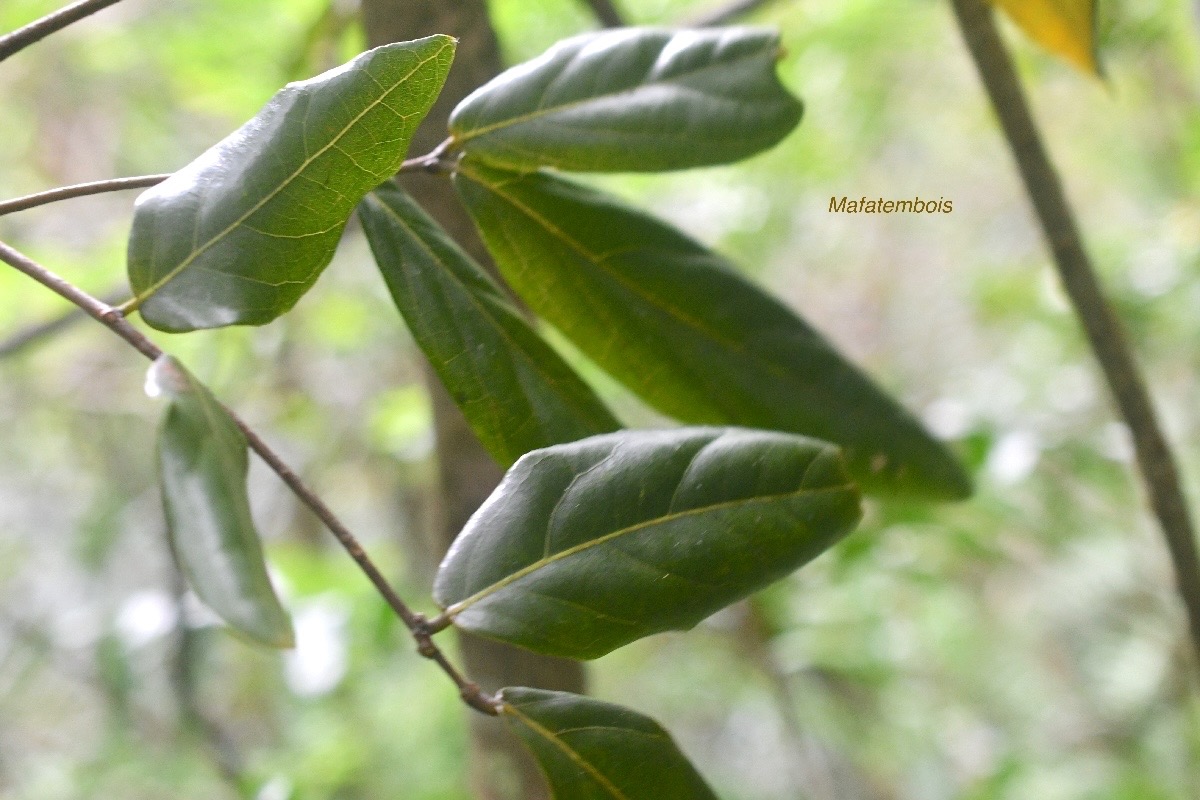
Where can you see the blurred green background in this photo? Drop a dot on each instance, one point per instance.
(1024, 645)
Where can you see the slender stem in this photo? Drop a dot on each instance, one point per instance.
(729, 13)
(607, 13)
(39, 29)
(80, 190)
(1100, 323)
(430, 162)
(28, 337)
(416, 623)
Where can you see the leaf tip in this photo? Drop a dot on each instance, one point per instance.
(165, 377)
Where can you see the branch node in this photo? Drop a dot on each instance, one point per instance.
(438, 623)
(480, 700)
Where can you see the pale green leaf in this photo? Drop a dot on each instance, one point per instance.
(203, 461)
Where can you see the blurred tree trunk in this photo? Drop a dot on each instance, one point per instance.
(500, 768)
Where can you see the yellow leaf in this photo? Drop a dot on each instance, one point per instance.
(1064, 27)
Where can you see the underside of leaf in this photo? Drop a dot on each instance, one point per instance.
(203, 462)
(678, 325)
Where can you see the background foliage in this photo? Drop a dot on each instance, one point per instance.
(1009, 647)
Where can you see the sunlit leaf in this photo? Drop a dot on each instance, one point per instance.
(585, 547)
(633, 99)
(241, 233)
(516, 392)
(677, 324)
(591, 750)
(203, 462)
(1066, 28)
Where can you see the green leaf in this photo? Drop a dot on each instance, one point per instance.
(633, 99)
(241, 233)
(516, 392)
(591, 750)
(202, 463)
(678, 325)
(585, 547)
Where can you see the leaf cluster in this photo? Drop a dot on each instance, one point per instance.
(597, 536)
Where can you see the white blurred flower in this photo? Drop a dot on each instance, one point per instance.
(318, 663)
(145, 616)
(1014, 457)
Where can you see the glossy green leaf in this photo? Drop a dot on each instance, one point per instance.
(591, 750)
(241, 233)
(202, 461)
(585, 547)
(678, 325)
(633, 99)
(516, 392)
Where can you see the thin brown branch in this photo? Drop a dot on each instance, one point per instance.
(35, 334)
(79, 190)
(729, 13)
(39, 29)
(1100, 323)
(416, 623)
(606, 13)
(430, 162)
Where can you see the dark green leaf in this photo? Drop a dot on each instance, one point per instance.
(241, 233)
(512, 387)
(202, 463)
(585, 547)
(679, 326)
(634, 99)
(591, 750)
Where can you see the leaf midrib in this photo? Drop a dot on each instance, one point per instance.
(141, 297)
(515, 347)
(455, 609)
(568, 751)
(602, 263)
(471, 296)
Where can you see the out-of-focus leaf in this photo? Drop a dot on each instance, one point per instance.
(585, 547)
(591, 750)
(516, 392)
(1066, 28)
(633, 99)
(675, 323)
(203, 462)
(241, 233)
